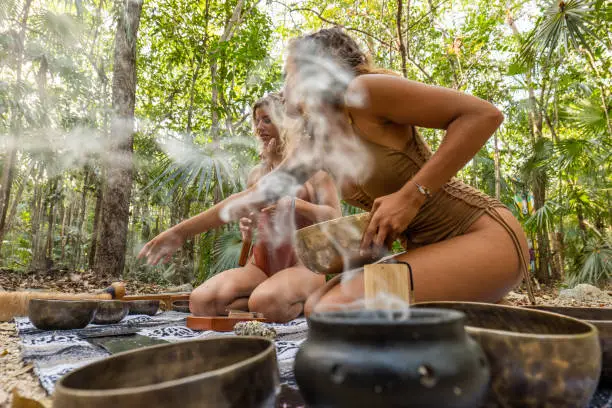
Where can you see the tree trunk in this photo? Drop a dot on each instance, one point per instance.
(110, 259)
(96, 226)
(10, 219)
(8, 167)
(400, 39)
(81, 219)
(51, 219)
(497, 168)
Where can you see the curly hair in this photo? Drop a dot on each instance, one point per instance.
(341, 47)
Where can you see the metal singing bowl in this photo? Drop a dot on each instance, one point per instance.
(216, 372)
(332, 247)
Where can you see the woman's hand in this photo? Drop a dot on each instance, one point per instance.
(390, 216)
(246, 231)
(162, 246)
(284, 203)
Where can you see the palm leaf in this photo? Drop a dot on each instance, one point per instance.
(563, 25)
(226, 250)
(587, 116)
(543, 218)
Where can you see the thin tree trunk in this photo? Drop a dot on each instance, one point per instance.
(96, 226)
(8, 167)
(51, 219)
(110, 259)
(81, 219)
(10, 219)
(497, 168)
(400, 39)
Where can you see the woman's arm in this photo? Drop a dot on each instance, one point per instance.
(469, 122)
(164, 245)
(326, 205)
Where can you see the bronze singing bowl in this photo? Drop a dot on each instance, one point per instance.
(537, 358)
(598, 317)
(111, 311)
(218, 372)
(332, 247)
(52, 314)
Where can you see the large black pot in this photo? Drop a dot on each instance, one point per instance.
(420, 358)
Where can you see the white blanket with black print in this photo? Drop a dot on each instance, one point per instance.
(56, 353)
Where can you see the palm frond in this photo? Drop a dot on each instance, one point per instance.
(7, 8)
(587, 116)
(543, 218)
(564, 24)
(226, 250)
(597, 267)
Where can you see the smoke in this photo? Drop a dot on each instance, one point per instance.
(315, 126)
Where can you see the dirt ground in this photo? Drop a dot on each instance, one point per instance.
(15, 374)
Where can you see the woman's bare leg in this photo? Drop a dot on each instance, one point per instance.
(281, 297)
(227, 290)
(481, 265)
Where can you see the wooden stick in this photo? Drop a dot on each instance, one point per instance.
(245, 252)
(16, 303)
(387, 285)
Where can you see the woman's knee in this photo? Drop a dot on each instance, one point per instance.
(210, 300)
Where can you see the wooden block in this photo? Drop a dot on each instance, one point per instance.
(217, 323)
(387, 285)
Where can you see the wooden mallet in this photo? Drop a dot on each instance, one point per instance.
(14, 304)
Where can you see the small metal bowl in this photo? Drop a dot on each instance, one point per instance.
(111, 311)
(146, 307)
(333, 246)
(49, 314)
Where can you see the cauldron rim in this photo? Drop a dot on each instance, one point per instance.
(95, 393)
(415, 317)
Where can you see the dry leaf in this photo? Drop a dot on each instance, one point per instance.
(23, 402)
(4, 353)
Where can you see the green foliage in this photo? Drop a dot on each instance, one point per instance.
(198, 74)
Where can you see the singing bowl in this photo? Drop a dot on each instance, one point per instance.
(537, 358)
(111, 311)
(51, 314)
(146, 307)
(598, 317)
(217, 372)
(332, 246)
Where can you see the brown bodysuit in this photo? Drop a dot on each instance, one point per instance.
(448, 213)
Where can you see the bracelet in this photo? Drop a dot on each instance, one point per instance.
(423, 190)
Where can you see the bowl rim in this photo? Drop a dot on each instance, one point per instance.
(65, 301)
(60, 388)
(336, 220)
(534, 336)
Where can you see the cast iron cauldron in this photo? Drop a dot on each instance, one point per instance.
(415, 358)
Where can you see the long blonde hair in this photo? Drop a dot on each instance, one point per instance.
(274, 104)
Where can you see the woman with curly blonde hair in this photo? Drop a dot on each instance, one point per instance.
(273, 281)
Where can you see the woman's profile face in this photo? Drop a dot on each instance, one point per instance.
(266, 131)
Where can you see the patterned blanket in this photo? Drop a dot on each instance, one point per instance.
(56, 353)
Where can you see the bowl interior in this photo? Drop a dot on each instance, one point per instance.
(513, 319)
(159, 364)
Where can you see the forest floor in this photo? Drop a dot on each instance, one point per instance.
(18, 382)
